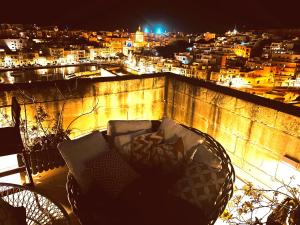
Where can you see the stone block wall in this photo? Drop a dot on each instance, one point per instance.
(140, 98)
(256, 137)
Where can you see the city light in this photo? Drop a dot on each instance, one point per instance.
(158, 30)
(257, 131)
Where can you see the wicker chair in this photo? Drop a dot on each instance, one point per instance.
(82, 208)
(40, 210)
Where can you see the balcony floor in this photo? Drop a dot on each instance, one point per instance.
(53, 184)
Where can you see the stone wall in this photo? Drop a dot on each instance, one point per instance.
(139, 98)
(256, 137)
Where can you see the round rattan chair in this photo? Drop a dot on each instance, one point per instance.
(40, 210)
(82, 208)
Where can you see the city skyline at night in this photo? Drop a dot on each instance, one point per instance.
(150, 112)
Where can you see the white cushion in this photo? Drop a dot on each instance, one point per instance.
(121, 140)
(118, 127)
(77, 152)
(191, 139)
(203, 154)
(173, 131)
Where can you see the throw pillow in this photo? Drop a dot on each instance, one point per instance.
(141, 147)
(77, 152)
(10, 215)
(200, 185)
(171, 129)
(202, 154)
(191, 139)
(121, 140)
(167, 157)
(118, 127)
(111, 173)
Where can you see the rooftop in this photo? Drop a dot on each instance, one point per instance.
(259, 134)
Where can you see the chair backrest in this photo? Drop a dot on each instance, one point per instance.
(15, 111)
(10, 137)
(11, 143)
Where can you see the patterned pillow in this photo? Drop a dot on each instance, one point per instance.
(121, 140)
(167, 157)
(111, 173)
(141, 148)
(10, 215)
(78, 151)
(200, 185)
(202, 154)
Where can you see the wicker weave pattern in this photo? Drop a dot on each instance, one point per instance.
(226, 191)
(77, 200)
(81, 209)
(39, 209)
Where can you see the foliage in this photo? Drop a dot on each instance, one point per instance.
(256, 206)
(46, 131)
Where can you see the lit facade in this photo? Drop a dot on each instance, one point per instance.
(242, 50)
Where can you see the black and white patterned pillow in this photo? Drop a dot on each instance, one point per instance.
(141, 148)
(200, 185)
(167, 157)
(111, 173)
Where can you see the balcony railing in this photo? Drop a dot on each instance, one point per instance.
(258, 133)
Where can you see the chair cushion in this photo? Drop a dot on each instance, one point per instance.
(110, 172)
(10, 215)
(202, 154)
(118, 127)
(167, 157)
(177, 211)
(77, 152)
(200, 185)
(173, 131)
(148, 152)
(141, 148)
(148, 204)
(191, 139)
(121, 140)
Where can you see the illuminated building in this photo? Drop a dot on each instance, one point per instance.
(139, 36)
(72, 56)
(183, 57)
(56, 53)
(14, 44)
(2, 57)
(242, 50)
(208, 36)
(139, 39)
(128, 47)
(116, 44)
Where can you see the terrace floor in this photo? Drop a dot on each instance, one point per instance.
(53, 184)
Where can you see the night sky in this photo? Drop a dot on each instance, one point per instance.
(183, 15)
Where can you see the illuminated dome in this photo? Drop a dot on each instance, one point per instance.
(139, 36)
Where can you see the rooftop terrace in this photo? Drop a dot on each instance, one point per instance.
(262, 136)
